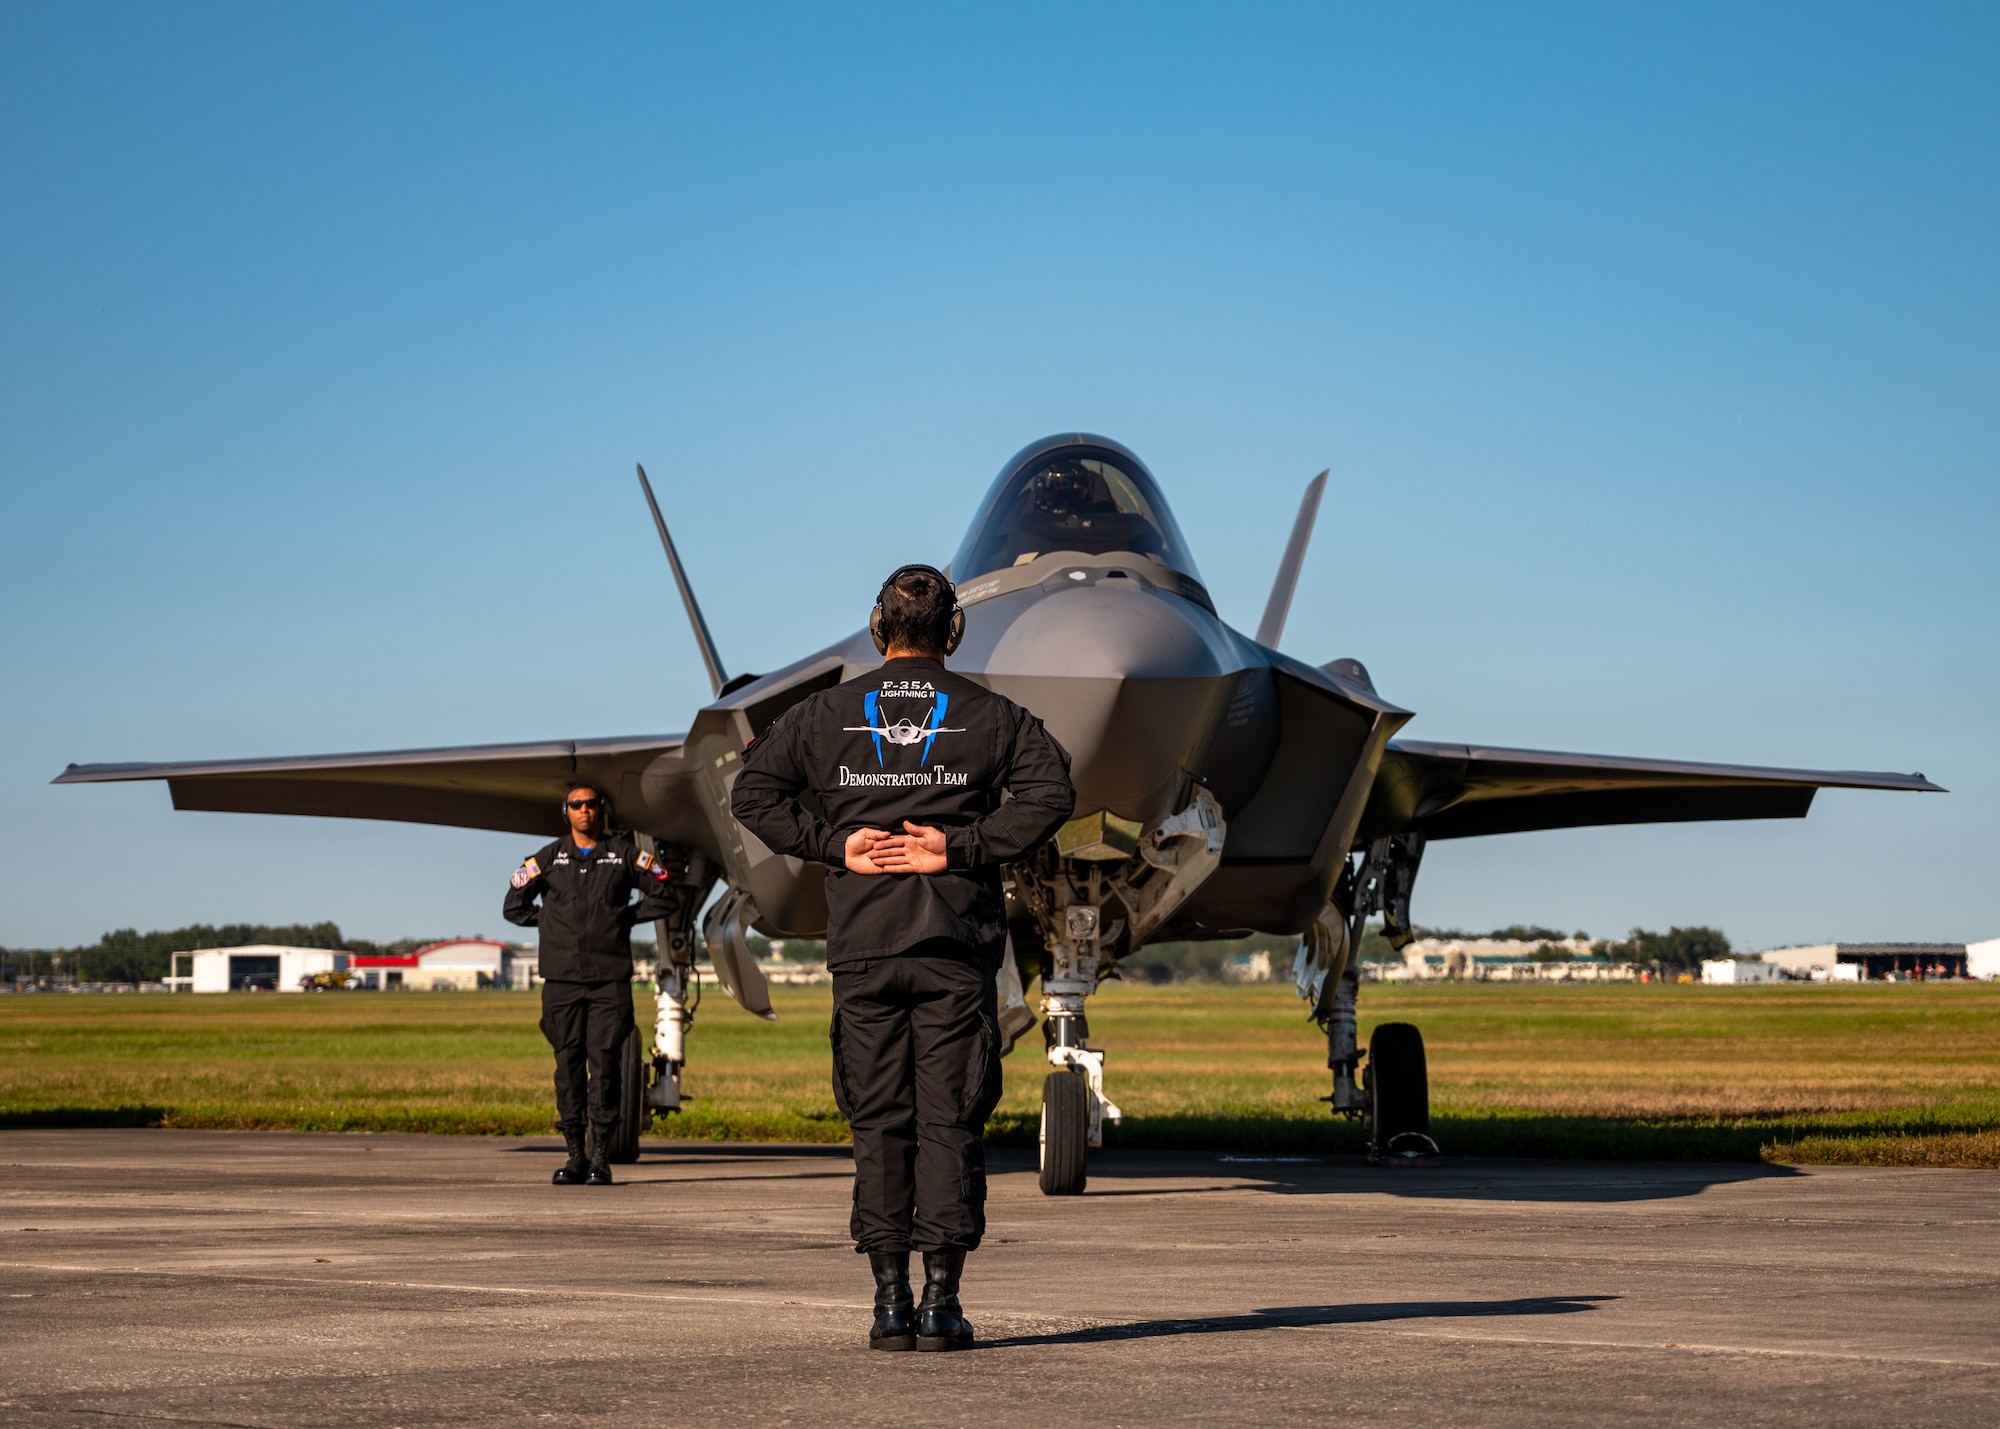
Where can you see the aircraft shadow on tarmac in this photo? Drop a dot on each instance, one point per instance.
(1460, 1179)
(1302, 1316)
(1123, 1173)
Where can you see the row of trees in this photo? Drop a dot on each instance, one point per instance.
(1676, 950)
(127, 955)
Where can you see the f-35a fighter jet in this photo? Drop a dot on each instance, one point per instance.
(1223, 788)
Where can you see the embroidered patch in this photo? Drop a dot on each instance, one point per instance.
(527, 873)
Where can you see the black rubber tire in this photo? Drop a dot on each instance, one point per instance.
(1065, 1134)
(633, 1114)
(1399, 1083)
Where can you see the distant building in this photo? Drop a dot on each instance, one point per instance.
(1870, 962)
(1503, 960)
(1983, 959)
(260, 967)
(1730, 971)
(460, 965)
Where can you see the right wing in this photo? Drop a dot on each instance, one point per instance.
(1450, 791)
(514, 788)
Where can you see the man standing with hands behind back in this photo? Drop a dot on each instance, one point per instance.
(584, 883)
(909, 764)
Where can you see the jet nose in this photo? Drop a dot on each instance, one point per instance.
(1111, 628)
(1127, 678)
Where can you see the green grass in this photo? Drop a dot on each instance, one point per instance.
(1907, 1074)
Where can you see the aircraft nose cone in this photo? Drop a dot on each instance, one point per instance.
(1128, 680)
(1108, 629)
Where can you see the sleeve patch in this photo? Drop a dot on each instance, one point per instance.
(527, 873)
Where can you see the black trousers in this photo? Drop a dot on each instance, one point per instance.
(916, 1071)
(586, 1023)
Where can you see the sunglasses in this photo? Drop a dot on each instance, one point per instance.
(586, 803)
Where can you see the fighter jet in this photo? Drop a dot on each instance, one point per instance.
(1223, 788)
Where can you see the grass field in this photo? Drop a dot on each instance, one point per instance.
(1903, 1074)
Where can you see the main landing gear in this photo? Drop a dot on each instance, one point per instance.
(653, 1064)
(1390, 1095)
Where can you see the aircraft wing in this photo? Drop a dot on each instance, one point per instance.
(1450, 791)
(514, 788)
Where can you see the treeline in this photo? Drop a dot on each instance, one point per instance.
(127, 955)
(1676, 950)
(1513, 933)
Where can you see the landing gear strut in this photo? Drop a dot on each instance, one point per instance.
(676, 992)
(1391, 1096)
(1074, 1107)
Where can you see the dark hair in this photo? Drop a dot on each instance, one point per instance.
(917, 604)
(590, 784)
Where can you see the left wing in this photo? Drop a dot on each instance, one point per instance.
(511, 787)
(1451, 791)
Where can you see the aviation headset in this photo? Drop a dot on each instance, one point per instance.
(957, 612)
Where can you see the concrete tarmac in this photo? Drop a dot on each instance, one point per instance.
(262, 1279)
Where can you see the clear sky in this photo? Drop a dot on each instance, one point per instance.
(1653, 348)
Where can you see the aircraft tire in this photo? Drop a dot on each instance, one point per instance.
(1399, 1089)
(632, 1111)
(1065, 1134)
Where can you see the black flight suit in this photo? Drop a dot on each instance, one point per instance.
(586, 919)
(916, 1040)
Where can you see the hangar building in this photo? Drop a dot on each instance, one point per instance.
(460, 964)
(260, 967)
(1867, 962)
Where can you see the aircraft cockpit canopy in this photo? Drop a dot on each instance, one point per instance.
(1082, 498)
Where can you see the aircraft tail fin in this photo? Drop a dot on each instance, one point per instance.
(709, 657)
(1280, 604)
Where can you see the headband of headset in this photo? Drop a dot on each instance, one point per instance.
(957, 615)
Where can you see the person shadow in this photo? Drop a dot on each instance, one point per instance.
(1304, 1316)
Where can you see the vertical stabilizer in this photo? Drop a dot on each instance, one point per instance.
(716, 677)
(1280, 604)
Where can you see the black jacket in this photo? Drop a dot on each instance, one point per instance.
(908, 741)
(587, 914)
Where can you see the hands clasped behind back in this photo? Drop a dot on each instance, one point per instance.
(919, 849)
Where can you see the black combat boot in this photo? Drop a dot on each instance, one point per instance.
(895, 1326)
(940, 1323)
(600, 1157)
(571, 1172)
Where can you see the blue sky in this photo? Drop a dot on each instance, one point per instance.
(1654, 350)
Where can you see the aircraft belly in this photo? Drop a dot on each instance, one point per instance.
(1262, 898)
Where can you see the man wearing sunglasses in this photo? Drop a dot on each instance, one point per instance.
(578, 892)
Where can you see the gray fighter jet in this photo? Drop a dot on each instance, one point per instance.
(1224, 788)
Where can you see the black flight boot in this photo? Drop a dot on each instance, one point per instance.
(940, 1323)
(600, 1157)
(895, 1326)
(571, 1172)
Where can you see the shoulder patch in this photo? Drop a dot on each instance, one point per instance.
(527, 873)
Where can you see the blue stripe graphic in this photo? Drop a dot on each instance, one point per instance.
(937, 723)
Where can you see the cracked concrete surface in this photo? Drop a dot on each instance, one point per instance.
(264, 1279)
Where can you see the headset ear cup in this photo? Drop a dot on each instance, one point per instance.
(875, 631)
(957, 631)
